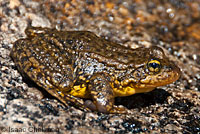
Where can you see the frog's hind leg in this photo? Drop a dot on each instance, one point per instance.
(61, 95)
(57, 92)
(102, 95)
(28, 68)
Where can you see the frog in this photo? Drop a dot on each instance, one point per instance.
(87, 71)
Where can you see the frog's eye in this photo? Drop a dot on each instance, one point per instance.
(154, 66)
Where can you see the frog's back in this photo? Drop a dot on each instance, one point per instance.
(79, 45)
(86, 45)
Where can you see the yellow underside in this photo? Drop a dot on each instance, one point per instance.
(81, 92)
(127, 91)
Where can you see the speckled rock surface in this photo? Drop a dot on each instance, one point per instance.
(173, 25)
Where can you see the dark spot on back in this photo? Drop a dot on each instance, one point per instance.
(69, 41)
(39, 75)
(23, 59)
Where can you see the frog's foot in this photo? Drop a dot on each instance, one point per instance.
(105, 109)
(89, 104)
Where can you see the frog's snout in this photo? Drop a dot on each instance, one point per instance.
(167, 75)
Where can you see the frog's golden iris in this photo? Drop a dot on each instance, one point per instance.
(71, 65)
(154, 66)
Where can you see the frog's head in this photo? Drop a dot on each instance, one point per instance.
(152, 71)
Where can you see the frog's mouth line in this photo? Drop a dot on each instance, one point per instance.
(155, 81)
(146, 85)
(131, 86)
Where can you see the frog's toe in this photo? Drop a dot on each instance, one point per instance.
(95, 107)
(103, 109)
(119, 110)
(89, 104)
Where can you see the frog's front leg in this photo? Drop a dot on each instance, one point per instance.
(102, 95)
